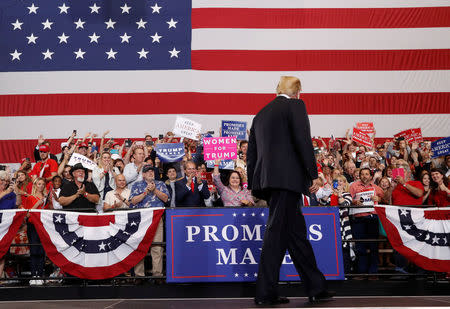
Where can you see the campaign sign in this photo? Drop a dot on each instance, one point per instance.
(411, 135)
(78, 158)
(170, 152)
(187, 128)
(366, 198)
(223, 165)
(224, 244)
(361, 137)
(223, 148)
(366, 127)
(234, 128)
(441, 147)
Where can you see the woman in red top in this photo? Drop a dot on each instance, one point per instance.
(440, 192)
(37, 200)
(24, 184)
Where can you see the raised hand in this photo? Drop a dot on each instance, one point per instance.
(40, 139)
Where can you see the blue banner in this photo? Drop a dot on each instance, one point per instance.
(234, 128)
(170, 152)
(223, 244)
(223, 164)
(441, 147)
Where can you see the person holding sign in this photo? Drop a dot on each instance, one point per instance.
(280, 132)
(407, 192)
(232, 194)
(364, 221)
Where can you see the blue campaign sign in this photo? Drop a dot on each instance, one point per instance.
(234, 128)
(170, 152)
(441, 147)
(224, 244)
(223, 164)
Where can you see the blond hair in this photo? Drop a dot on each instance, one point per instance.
(346, 186)
(289, 85)
(34, 188)
(4, 175)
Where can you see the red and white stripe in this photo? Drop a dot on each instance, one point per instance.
(11, 221)
(359, 60)
(96, 227)
(435, 220)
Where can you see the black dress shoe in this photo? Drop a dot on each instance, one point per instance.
(271, 302)
(322, 296)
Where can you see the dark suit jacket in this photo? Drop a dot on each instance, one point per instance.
(185, 197)
(280, 153)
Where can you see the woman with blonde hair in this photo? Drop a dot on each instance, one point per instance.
(340, 196)
(103, 177)
(37, 200)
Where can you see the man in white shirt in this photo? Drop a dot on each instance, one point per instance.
(118, 198)
(133, 170)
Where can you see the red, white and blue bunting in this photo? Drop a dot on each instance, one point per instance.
(96, 246)
(10, 222)
(422, 235)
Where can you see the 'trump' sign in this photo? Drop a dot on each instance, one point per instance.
(224, 244)
(224, 148)
(170, 152)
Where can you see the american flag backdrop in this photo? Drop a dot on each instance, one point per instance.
(132, 65)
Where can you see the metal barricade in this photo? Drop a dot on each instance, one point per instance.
(23, 279)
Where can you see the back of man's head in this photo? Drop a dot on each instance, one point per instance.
(289, 85)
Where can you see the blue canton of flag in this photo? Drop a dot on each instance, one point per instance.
(50, 35)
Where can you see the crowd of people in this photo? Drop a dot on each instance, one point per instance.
(131, 175)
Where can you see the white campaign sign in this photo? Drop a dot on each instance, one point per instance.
(187, 128)
(366, 198)
(77, 158)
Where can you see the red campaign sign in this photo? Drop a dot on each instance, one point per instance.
(361, 137)
(411, 135)
(366, 127)
(208, 177)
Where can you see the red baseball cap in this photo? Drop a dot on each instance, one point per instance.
(83, 145)
(44, 148)
(115, 144)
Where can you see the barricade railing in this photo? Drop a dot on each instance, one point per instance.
(119, 279)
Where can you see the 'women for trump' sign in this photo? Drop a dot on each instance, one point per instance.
(223, 148)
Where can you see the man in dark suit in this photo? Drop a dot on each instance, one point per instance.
(281, 166)
(191, 190)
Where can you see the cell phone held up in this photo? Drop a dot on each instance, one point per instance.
(335, 184)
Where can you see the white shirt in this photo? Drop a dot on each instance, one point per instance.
(100, 181)
(56, 204)
(111, 197)
(284, 95)
(131, 174)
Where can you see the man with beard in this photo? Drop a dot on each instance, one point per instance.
(46, 168)
(79, 194)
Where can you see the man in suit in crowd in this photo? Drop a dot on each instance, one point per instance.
(281, 167)
(191, 190)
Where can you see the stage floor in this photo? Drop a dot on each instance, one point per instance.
(222, 303)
